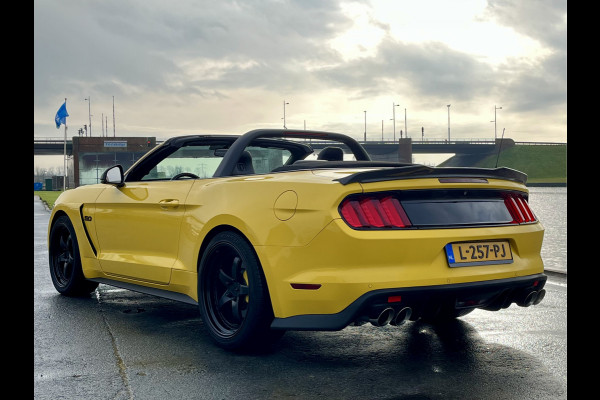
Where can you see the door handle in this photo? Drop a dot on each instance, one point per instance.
(166, 204)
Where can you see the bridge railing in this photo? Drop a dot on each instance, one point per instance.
(541, 143)
(424, 141)
(457, 140)
(436, 141)
(49, 139)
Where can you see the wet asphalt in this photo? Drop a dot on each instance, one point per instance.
(118, 344)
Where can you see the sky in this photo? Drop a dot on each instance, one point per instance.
(168, 68)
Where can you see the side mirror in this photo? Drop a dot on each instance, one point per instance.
(113, 175)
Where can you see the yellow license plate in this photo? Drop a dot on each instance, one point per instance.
(466, 254)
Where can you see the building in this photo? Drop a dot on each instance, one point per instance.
(93, 155)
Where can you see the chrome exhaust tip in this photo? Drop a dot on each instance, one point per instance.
(529, 299)
(539, 297)
(402, 316)
(383, 318)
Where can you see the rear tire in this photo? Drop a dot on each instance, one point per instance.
(233, 296)
(65, 261)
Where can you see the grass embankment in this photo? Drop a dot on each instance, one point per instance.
(541, 163)
(48, 196)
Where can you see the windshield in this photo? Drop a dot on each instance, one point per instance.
(198, 160)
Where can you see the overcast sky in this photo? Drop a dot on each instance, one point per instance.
(197, 66)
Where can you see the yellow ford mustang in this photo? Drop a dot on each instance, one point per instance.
(265, 236)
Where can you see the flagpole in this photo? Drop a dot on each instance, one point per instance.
(65, 154)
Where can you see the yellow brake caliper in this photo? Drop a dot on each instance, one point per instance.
(245, 276)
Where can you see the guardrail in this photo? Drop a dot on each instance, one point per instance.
(542, 143)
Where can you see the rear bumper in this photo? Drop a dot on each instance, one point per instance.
(346, 264)
(490, 295)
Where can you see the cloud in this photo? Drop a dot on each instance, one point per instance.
(541, 20)
(184, 66)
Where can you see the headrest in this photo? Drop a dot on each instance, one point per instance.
(331, 154)
(244, 165)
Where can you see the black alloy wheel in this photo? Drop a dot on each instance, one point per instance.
(65, 262)
(233, 296)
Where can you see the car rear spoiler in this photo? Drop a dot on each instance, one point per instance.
(453, 174)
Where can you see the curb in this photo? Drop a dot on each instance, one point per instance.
(556, 273)
(44, 203)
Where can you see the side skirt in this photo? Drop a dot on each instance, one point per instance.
(147, 290)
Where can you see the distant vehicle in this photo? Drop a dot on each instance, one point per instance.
(265, 236)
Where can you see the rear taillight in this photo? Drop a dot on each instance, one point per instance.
(369, 211)
(518, 208)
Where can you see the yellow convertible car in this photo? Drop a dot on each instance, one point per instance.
(265, 235)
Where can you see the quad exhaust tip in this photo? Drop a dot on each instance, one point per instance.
(532, 298)
(389, 316)
(539, 297)
(402, 316)
(384, 317)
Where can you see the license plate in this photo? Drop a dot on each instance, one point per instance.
(478, 253)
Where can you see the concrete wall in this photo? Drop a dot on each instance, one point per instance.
(405, 150)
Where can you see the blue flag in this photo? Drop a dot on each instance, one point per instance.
(61, 115)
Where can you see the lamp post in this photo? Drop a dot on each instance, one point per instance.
(405, 128)
(394, 105)
(89, 100)
(284, 103)
(448, 122)
(365, 125)
(495, 108)
(114, 116)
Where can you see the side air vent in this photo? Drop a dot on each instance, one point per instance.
(87, 235)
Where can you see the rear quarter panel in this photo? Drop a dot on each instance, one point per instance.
(275, 210)
(287, 209)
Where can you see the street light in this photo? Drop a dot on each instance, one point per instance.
(495, 108)
(365, 125)
(88, 99)
(114, 116)
(284, 103)
(394, 105)
(448, 122)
